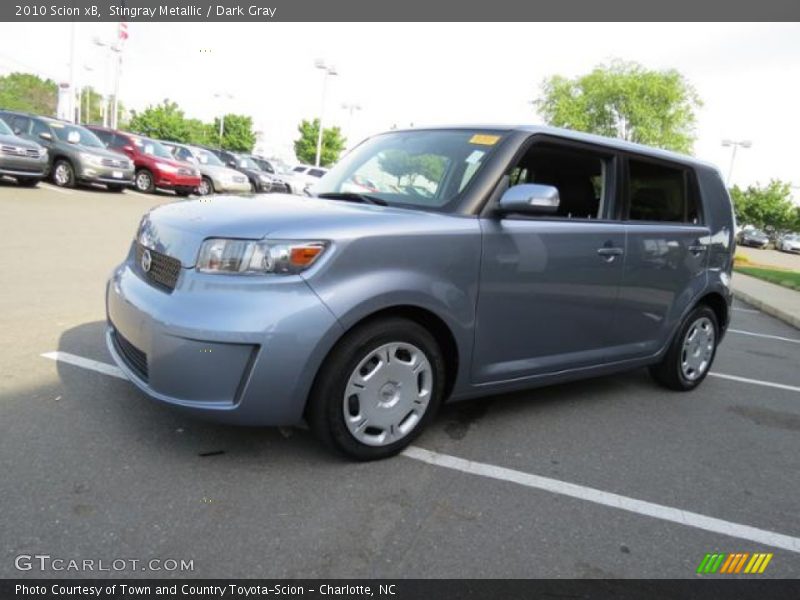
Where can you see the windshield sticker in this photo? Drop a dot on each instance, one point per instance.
(484, 139)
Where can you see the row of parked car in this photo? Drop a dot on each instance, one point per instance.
(755, 238)
(34, 147)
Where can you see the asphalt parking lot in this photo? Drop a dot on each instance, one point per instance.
(611, 477)
(771, 257)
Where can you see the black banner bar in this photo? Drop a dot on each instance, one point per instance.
(402, 589)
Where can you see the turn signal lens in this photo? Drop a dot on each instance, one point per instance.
(303, 256)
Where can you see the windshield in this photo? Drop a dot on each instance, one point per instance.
(247, 163)
(207, 158)
(152, 147)
(4, 130)
(76, 135)
(421, 169)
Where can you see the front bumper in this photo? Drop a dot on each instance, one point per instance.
(18, 166)
(231, 186)
(237, 350)
(105, 175)
(174, 181)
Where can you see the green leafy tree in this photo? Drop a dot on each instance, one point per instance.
(201, 133)
(92, 106)
(29, 93)
(396, 163)
(305, 147)
(238, 134)
(768, 206)
(624, 100)
(164, 121)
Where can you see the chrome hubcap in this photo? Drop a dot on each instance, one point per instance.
(698, 348)
(387, 394)
(205, 189)
(62, 174)
(143, 181)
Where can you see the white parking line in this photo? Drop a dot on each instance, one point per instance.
(641, 507)
(57, 189)
(764, 335)
(85, 363)
(135, 193)
(747, 310)
(780, 386)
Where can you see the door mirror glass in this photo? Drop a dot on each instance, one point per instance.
(529, 198)
(46, 135)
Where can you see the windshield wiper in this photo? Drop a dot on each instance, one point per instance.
(354, 197)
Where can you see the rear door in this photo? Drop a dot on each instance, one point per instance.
(666, 255)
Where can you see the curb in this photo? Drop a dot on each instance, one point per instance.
(766, 307)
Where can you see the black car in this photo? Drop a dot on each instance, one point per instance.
(260, 181)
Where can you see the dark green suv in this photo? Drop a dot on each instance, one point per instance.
(76, 154)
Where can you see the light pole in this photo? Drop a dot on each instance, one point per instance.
(350, 107)
(222, 96)
(113, 48)
(81, 112)
(330, 71)
(734, 144)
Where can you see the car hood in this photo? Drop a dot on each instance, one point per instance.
(178, 229)
(13, 140)
(102, 152)
(756, 236)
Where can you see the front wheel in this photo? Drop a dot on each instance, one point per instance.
(206, 187)
(691, 353)
(378, 389)
(144, 181)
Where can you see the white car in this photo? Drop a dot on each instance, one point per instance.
(789, 242)
(309, 174)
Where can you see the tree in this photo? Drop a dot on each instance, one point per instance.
(164, 121)
(400, 164)
(28, 93)
(305, 147)
(624, 100)
(768, 206)
(238, 134)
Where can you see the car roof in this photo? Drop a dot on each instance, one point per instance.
(572, 135)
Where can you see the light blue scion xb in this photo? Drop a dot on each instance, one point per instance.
(430, 264)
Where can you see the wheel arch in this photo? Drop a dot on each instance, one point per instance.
(719, 305)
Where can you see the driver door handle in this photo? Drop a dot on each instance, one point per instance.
(609, 251)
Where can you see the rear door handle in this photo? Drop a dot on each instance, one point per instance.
(697, 249)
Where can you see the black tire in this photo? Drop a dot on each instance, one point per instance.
(670, 372)
(206, 187)
(183, 193)
(63, 174)
(144, 181)
(115, 189)
(253, 187)
(325, 409)
(28, 182)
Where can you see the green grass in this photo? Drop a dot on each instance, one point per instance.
(789, 279)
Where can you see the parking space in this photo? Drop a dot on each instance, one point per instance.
(771, 257)
(609, 477)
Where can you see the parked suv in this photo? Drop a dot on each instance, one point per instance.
(76, 155)
(490, 260)
(155, 165)
(260, 181)
(216, 177)
(23, 160)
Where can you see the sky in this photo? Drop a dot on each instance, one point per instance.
(747, 75)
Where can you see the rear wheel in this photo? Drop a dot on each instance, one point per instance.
(206, 187)
(691, 353)
(378, 389)
(144, 181)
(63, 174)
(183, 192)
(28, 182)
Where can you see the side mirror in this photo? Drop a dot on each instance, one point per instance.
(530, 199)
(232, 164)
(46, 135)
(127, 149)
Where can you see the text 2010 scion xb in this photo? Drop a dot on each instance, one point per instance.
(430, 265)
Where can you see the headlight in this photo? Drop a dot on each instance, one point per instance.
(166, 168)
(91, 159)
(258, 258)
(265, 178)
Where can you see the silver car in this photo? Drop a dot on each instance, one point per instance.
(21, 159)
(789, 242)
(216, 177)
(490, 260)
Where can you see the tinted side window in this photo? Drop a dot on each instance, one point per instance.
(660, 193)
(39, 127)
(19, 125)
(316, 172)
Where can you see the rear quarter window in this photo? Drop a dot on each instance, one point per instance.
(661, 193)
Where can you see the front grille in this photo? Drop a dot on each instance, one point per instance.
(110, 162)
(133, 357)
(19, 151)
(164, 270)
(241, 179)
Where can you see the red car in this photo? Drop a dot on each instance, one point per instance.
(155, 165)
